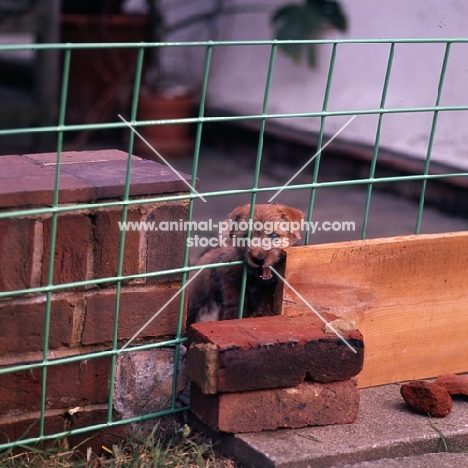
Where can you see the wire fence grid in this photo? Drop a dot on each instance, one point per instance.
(389, 46)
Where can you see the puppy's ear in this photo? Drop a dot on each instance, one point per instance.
(241, 213)
(294, 217)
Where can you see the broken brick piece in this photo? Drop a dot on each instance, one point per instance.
(308, 404)
(453, 383)
(270, 352)
(427, 397)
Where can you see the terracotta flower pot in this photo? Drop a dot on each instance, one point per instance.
(172, 140)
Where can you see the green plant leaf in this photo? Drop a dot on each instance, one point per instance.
(303, 22)
(296, 22)
(311, 56)
(333, 13)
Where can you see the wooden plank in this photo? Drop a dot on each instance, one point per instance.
(408, 296)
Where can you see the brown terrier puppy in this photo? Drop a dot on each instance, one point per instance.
(215, 293)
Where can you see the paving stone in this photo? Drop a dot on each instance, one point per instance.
(24, 182)
(108, 177)
(428, 460)
(384, 429)
(74, 157)
(29, 180)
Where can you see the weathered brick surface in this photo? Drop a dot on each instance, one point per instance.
(60, 420)
(24, 182)
(137, 305)
(22, 328)
(75, 157)
(68, 385)
(270, 352)
(454, 384)
(107, 437)
(72, 248)
(108, 177)
(308, 404)
(427, 398)
(84, 176)
(107, 243)
(28, 426)
(16, 254)
(165, 249)
(144, 381)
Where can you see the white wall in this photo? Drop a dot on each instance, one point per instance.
(238, 74)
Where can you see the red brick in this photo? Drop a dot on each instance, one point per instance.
(138, 304)
(165, 249)
(308, 404)
(30, 180)
(107, 243)
(427, 398)
(68, 385)
(454, 384)
(72, 248)
(108, 177)
(91, 415)
(25, 426)
(23, 321)
(270, 352)
(75, 157)
(56, 421)
(27, 183)
(16, 253)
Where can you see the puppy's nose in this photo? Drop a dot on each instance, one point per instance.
(259, 259)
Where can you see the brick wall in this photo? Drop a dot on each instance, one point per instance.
(87, 246)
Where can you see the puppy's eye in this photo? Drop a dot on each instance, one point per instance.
(273, 235)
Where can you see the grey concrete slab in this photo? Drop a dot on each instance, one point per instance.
(385, 429)
(429, 460)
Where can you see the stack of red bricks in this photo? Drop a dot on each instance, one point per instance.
(269, 372)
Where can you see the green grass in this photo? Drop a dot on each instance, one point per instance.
(155, 450)
(443, 444)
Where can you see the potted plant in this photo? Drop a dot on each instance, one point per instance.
(160, 100)
(303, 21)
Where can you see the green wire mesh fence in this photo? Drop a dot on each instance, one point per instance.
(389, 47)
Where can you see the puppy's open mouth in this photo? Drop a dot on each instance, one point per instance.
(265, 273)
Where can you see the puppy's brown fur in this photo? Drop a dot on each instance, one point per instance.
(214, 293)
